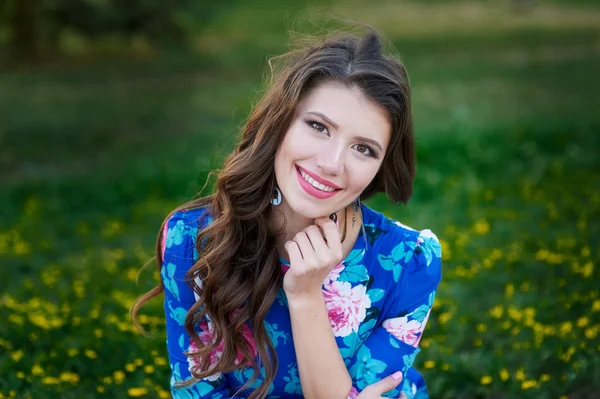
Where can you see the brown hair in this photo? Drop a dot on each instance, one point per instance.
(239, 266)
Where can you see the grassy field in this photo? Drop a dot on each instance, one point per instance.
(93, 155)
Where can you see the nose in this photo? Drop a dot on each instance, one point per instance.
(331, 160)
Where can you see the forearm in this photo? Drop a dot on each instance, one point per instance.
(321, 368)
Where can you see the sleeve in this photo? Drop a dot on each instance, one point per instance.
(178, 257)
(393, 344)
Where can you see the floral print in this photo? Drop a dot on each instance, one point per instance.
(378, 301)
(404, 330)
(346, 306)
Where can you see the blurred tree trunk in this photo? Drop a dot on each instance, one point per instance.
(23, 27)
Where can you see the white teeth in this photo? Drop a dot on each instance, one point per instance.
(315, 184)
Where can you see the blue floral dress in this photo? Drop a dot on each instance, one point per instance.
(378, 300)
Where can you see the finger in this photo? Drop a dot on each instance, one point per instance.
(306, 248)
(332, 237)
(386, 384)
(294, 253)
(318, 242)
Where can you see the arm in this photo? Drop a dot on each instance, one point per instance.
(393, 345)
(178, 257)
(311, 260)
(317, 351)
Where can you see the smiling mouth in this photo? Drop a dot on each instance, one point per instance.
(314, 183)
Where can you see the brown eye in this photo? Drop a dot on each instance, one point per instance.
(319, 127)
(365, 150)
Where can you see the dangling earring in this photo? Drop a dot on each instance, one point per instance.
(276, 200)
(355, 205)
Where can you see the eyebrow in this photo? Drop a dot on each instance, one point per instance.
(336, 126)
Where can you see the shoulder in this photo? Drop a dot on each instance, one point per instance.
(180, 231)
(397, 245)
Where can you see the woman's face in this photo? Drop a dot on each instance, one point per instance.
(336, 141)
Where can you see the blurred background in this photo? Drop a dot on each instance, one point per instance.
(112, 113)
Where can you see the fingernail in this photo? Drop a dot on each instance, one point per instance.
(397, 375)
(333, 217)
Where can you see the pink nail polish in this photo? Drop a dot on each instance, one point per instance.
(397, 375)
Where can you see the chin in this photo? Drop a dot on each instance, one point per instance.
(310, 211)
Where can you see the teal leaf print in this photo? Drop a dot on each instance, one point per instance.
(180, 342)
(275, 335)
(168, 272)
(350, 340)
(247, 373)
(430, 246)
(346, 354)
(178, 314)
(375, 294)
(347, 351)
(354, 274)
(431, 298)
(175, 234)
(420, 313)
(393, 342)
(396, 259)
(366, 368)
(181, 392)
(409, 359)
(293, 380)
(204, 388)
(354, 257)
(367, 326)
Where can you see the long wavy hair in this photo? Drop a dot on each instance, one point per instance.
(238, 262)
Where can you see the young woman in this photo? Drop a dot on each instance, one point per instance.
(282, 284)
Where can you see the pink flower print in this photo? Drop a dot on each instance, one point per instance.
(406, 331)
(284, 268)
(247, 334)
(334, 274)
(353, 393)
(346, 306)
(206, 335)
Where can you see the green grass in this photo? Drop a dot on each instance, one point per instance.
(93, 155)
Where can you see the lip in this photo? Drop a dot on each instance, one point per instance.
(319, 179)
(315, 192)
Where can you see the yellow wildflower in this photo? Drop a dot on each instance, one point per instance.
(136, 392)
(119, 376)
(160, 361)
(50, 380)
(17, 355)
(37, 370)
(486, 379)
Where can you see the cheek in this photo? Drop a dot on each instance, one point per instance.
(295, 145)
(362, 175)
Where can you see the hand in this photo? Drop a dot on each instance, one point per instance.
(313, 253)
(374, 391)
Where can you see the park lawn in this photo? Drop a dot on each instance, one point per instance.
(92, 158)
